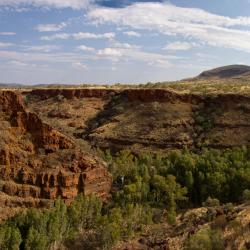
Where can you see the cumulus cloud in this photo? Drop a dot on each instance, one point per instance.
(59, 36)
(74, 4)
(119, 52)
(50, 27)
(124, 45)
(42, 48)
(180, 46)
(132, 33)
(111, 52)
(78, 36)
(167, 19)
(79, 66)
(87, 35)
(86, 48)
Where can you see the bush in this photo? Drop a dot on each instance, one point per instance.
(210, 202)
(205, 239)
(246, 195)
(10, 237)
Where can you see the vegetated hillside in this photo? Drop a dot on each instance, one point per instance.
(229, 71)
(145, 119)
(230, 79)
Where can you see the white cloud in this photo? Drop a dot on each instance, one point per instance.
(50, 27)
(86, 48)
(132, 33)
(78, 36)
(134, 53)
(87, 35)
(124, 45)
(42, 48)
(61, 36)
(161, 64)
(79, 66)
(74, 4)
(110, 52)
(180, 46)
(4, 45)
(191, 23)
(7, 33)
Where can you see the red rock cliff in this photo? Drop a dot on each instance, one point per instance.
(38, 163)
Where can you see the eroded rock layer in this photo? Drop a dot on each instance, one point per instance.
(145, 119)
(39, 163)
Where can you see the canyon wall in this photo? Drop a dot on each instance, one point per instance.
(149, 119)
(47, 136)
(38, 163)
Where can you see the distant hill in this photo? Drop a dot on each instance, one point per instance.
(231, 71)
(11, 85)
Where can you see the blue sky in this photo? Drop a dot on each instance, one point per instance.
(107, 41)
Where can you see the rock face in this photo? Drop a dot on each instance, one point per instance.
(146, 119)
(39, 163)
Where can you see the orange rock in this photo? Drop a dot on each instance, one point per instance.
(39, 163)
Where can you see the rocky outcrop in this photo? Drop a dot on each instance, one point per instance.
(38, 163)
(159, 95)
(84, 175)
(151, 119)
(72, 93)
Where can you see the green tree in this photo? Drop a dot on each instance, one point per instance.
(84, 212)
(58, 227)
(205, 239)
(36, 240)
(10, 237)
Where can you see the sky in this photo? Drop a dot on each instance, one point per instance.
(119, 41)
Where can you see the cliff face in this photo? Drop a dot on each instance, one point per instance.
(39, 163)
(44, 142)
(146, 119)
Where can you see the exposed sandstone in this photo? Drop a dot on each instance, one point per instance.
(38, 163)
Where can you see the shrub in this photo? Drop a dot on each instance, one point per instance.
(205, 239)
(220, 222)
(246, 195)
(10, 238)
(210, 202)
